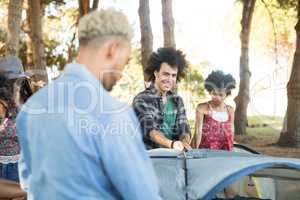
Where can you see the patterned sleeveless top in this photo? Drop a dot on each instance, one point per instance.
(9, 144)
(216, 134)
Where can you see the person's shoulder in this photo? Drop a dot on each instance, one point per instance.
(202, 108)
(143, 95)
(146, 92)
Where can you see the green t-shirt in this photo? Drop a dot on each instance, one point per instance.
(169, 119)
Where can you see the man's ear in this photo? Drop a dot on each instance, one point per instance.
(155, 74)
(112, 50)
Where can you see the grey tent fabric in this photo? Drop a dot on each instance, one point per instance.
(172, 181)
(170, 168)
(201, 174)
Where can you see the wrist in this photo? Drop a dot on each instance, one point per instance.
(172, 144)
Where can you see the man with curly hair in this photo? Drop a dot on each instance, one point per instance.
(159, 109)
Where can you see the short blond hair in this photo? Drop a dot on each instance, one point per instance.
(102, 24)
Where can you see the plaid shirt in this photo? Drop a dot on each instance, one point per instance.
(149, 108)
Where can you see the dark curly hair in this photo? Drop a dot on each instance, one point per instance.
(7, 95)
(169, 55)
(218, 80)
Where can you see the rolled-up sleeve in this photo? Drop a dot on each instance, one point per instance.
(146, 115)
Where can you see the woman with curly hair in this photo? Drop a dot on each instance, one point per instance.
(214, 119)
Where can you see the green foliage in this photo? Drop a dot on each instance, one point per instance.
(132, 81)
(3, 3)
(59, 39)
(193, 82)
(287, 4)
(272, 29)
(191, 88)
(53, 58)
(282, 34)
(3, 36)
(56, 35)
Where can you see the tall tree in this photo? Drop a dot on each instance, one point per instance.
(84, 6)
(168, 23)
(292, 135)
(35, 15)
(26, 28)
(13, 26)
(243, 98)
(95, 4)
(146, 33)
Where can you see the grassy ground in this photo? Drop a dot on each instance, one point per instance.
(262, 135)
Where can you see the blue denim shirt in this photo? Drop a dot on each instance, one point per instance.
(78, 142)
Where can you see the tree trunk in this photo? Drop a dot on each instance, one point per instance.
(95, 4)
(29, 54)
(84, 7)
(39, 68)
(243, 98)
(26, 28)
(168, 23)
(13, 27)
(292, 136)
(283, 131)
(146, 34)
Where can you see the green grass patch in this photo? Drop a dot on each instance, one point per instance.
(264, 126)
(262, 119)
(263, 132)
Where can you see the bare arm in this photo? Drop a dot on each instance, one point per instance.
(231, 113)
(160, 139)
(198, 127)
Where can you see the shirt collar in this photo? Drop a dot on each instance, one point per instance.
(82, 72)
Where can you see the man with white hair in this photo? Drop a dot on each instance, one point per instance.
(77, 141)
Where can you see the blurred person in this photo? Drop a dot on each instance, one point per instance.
(13, 93)
(77, 141)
